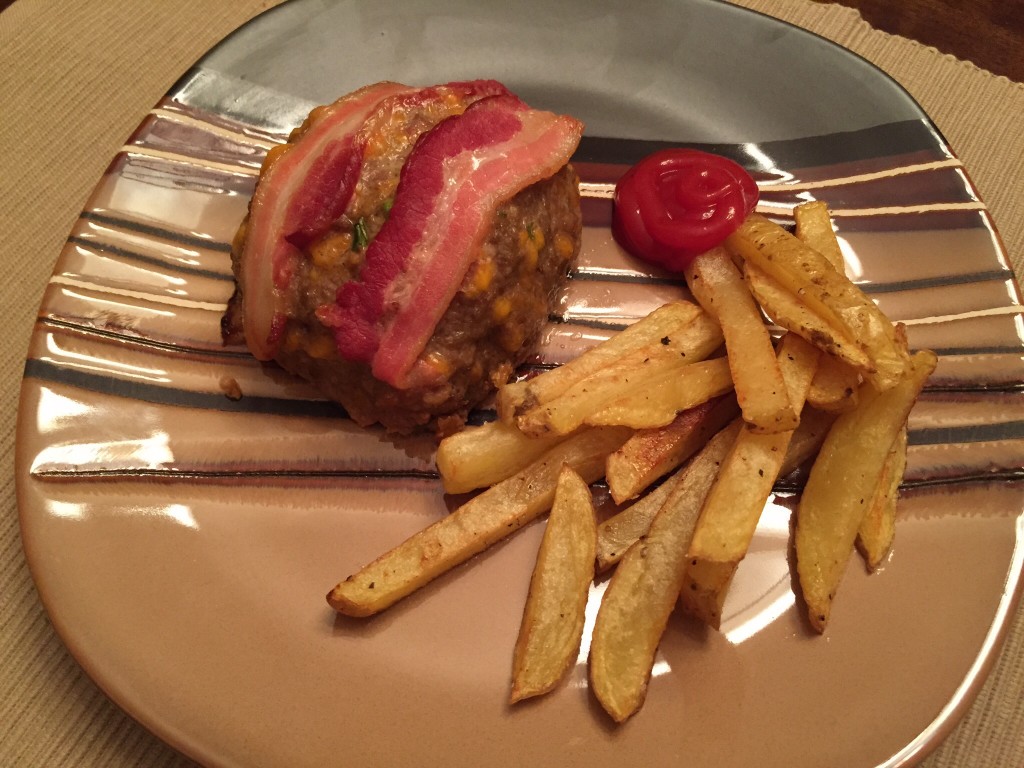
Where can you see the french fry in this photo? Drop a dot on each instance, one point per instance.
(744, 483)
(705, 585)
(718, 287)
(660, 397)
(877, 530)
(643, 589)
(814, 227)
(788, 311)
(517, 398)
(478, 457)
(827, 292)
(842, 482)
(482, 521)
(665, 358)
(552, 626)
(807, 438)
(653, 453)
(835, 384)
(619, 532)
(616, 534)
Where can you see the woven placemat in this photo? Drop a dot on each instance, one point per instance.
(78, 78)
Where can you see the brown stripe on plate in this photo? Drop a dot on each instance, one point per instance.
(910, 140)
(218, 121)
(105, 265)
(878, 258)
(943, 185)
(884, 216)
(924, 301)
(186, 241)
(982, 370)
(971, 334)
(990, 414)
(983, 460)
(165, 132)
(246, 443)
(181, 172)
(311, 445)
(143, 365)
(188, 196)
(133, 316)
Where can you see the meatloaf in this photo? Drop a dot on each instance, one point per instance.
(404, 249)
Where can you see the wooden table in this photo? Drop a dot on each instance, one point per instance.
(989, 33)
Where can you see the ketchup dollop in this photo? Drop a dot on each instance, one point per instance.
(678, 203)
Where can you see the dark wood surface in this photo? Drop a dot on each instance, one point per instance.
(989, 33)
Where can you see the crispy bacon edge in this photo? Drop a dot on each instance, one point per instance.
(321, 168)
(450, 188)
(310, 186)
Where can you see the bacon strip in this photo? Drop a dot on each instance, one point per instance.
(312, 180)
(450, 188)
(313, 184)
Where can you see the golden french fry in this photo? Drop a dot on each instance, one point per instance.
(482, 521)
(827, 292)
(705, 585)
(661, 396)
(835, 384)
(807, 438)
(478, 457)
(744, 483)
(552, 626)
(718, 287)
(842, 482)
(519, 397)
(665, 358)
(814, 227)
(789, 312)
(878, 528)
(653, 453)
(619, 532)
(643, 589)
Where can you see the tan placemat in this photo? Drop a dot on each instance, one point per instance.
(78, 77)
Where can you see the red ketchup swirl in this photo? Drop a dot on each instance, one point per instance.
(678, 203)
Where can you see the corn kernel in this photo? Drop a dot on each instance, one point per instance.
(483, 275)
(564, 245)
(326, 252)
(537, 237)
(439, 363)
(501, 309)
(530, 257)
(376, 145)
(512, 338)
(293, 339)
(321, 347)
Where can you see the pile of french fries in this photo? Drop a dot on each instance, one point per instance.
(690, 444)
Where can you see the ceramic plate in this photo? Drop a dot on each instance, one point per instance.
(183, 541)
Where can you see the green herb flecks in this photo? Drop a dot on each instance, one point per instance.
(359, 237)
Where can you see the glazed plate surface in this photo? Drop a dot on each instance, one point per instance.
(183, 541)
